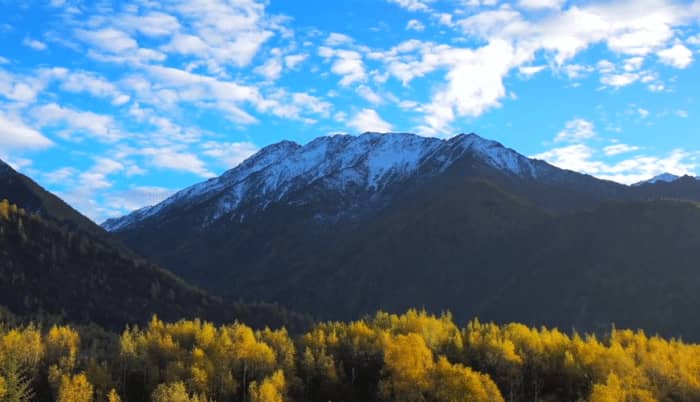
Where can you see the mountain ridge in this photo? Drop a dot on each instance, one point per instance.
(367, 161)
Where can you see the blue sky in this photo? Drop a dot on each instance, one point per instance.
(116, 104)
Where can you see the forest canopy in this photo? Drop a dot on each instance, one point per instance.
(411, 357)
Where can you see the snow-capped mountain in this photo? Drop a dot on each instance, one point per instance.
(362, 165)
(662, 178)
(347, 224)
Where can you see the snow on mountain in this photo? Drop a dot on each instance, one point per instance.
(664, 177)
(369, 162)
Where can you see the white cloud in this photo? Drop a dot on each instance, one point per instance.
(223, 32)
(474, 85)
(86, 186)
(313, 104)
(187, 44)
(96, 177)
(412, 5)
(415, 25)
(24, 88)
(539, 4)
(34, 44)
(152, 24)
(178, 160)
(135, 197)
(619, 149)
(83, 81)
(108, 39)
(369, 120)
(576, 130)
(582, 158)
(643, 113)
(272, 69)
(229, 153)
(121, 100)
(15, 134)
(677, 56)
(633, 63)
(75, 122)
(627, 27)
(347, 63)
(204, 91)
(369, 94)
(619, 80)
(576, 71)
(337, 39)
(293, 60)
(530, 70)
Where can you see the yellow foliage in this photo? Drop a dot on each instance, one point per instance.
(24, 346)
(4, 209)
(410, 357)
(75, 389)
(614, 390)
(174, 392)
(62, 344)
(113, 396)
(456, 383)
(407, 360)
(271, 389)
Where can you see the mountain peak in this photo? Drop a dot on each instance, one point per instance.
(363, 165)
(662, 178)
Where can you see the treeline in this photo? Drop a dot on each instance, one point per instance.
(410, 357)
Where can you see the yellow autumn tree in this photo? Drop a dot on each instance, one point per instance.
(456, 383)
(407, 360)
(271, 389)
(615, 390)
(75, 389)
(113, 396)
(174, 392)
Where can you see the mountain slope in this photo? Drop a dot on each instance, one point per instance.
(22, 190)
(48, 270)
(345, 225)
(631, 263)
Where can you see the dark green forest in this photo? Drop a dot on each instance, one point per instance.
(55, 273)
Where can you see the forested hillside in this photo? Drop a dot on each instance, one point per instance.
(410, 357)
(52, 272)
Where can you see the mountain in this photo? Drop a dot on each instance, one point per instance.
(57, 264)
(50, 272)
(22, 190)
(664, 177)
(344, 225)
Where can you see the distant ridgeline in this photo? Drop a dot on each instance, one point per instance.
(411, 357)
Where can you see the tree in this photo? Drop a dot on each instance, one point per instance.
(113, 396)
(271, 389)
(456, 383)
(75, 389)
(407, 361)
(17, 383)
(174, 392)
